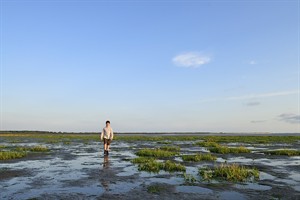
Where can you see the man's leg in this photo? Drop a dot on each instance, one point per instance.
(108, 144)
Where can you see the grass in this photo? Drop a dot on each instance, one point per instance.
(189, 178)
(229, 172)
(155, 189)
(53, 141)
(158, 153)
(261, 139)
(60, 136)
(207, 144)
(6, 155)
(67, 142)
(217, 148)
(170, 166)
(139, 160)
(198, 157)
(170, 148)
(286, 152)
(158, 138)
(225, 150)
(151, 165)
(38, 148)
(163, 142)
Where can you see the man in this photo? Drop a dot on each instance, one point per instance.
(107, 135)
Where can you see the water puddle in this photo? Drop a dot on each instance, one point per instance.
(193, 189)
(253, 186)
(266, 176)
(171, 181)
(122, 187)
(128, 171)
(230, 195)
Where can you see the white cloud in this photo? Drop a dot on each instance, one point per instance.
(252, 62)
(191, 59)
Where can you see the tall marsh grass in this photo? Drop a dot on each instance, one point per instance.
(207, 144)
(170, 148)
(285, 152)
(158, 153)
(229, 172)
(37, 148)
(198, 157)
(6, 155)
(225, 150)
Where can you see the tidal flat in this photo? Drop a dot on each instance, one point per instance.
(44, 165)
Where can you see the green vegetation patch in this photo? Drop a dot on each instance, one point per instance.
(261, 139)
(151, 165)
(158, 153)
(170, 148)
(158, 138)
(170, 166)
(207, 144)
(225, 150)
(17, 136)
(38, 148)
(66, 142)
(198, 157)
(286, 152)
(6, 155)
(229, 172)
(189, 178)
(164, 142)
(155, 189)
(139, 160)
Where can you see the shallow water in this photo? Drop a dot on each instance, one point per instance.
(193, 189)
(82, 169)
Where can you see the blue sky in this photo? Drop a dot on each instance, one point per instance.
(230, 66)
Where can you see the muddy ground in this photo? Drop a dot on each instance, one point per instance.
(80, 171)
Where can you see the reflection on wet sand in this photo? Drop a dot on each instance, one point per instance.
(104, 173)
(105, 162)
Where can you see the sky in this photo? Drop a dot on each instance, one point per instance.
(150, 66)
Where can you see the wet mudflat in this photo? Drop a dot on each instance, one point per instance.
(75, 168)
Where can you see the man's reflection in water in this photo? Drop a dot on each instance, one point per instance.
(105, 162)
(104, 174)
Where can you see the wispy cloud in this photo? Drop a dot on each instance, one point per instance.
(252, 62)
(272, 94)
(252, 97)
(253, 103)
(191, 59)
(289, 118)
(258, 121)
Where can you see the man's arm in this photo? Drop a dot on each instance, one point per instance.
(102, 133)
(111, 134)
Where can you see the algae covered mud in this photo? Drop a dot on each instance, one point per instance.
(35, 165)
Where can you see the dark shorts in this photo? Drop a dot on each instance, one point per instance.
(107, 141)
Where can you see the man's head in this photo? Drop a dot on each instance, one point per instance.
(107, 123)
